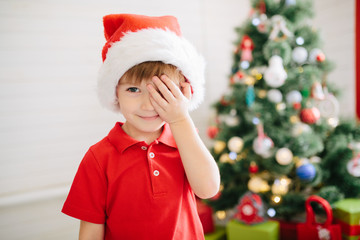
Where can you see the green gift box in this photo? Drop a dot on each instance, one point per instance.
(348, 211)
(345, 237)
(218, 234)
(268, 230)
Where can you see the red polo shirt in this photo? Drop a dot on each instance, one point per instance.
(138, 191)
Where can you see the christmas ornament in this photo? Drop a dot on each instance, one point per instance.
(328, 107)
(247, 46)
(258, 185)
(310, 115)
(212, 131)
(230, 120)
(219, 146)
(253, 167)
(280, 106)
(250, 209)
(238, 77)
(225, 158)
(284, 156)
(299, 55)
(279, 25)
(275, 74)
(317, 91)
(333, 122)
(281, 186)
(300, 128)
(221, 215)
(244, 64)
(306, 172)
(316, 55)
(274, 96)
(290, 2)
(293, 96)
(262, 25)
(353, 166)
(294, 119)
(300, 41)
(262, 94)
(250, 96)
(235, 144)
(262, 144)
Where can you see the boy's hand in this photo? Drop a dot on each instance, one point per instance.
(170, 102)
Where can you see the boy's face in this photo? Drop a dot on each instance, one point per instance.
(135, 105)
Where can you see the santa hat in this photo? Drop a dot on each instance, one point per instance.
(133, 39)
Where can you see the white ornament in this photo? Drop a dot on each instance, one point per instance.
(300, 128)
(300, 41)
(232, 121)
(279, 25)
(299, 55)
(353, 166)
(284, 156)
(274, 96)
(293, 97)
(235, 144)
(275, 75)
(328, 107)
(314, 53)
(262, 146)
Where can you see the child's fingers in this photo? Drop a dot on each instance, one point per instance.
(156, 106)
(156, 96)
(164, 90)
(186, 89)
(171, 86)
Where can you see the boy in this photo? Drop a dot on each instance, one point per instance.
(139, 181)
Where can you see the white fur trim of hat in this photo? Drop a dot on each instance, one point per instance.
(149, 44)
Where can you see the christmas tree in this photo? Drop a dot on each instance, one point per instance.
(276, 131)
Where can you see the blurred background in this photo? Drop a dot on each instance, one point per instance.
(50, 52)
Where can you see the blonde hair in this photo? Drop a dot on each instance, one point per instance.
(146, 70)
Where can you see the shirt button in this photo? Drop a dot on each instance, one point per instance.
(151, 155)
(156, 173)
(143, 148)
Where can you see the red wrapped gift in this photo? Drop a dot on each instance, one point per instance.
(287, 230)
(350, 230)
(311, 230)
(206, 216)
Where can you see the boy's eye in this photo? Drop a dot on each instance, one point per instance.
(133, 89)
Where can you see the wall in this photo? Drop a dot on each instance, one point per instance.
(49, 114)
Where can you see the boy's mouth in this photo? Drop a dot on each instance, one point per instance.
(149, 118)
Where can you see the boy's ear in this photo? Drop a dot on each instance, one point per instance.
(191, 88)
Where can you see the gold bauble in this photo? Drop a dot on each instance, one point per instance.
(221, 215)
(262, 93)
(224, 158)
(258, 185)
(235, 144)
(219, 146)
(294, 119)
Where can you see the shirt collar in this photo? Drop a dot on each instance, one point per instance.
(122, 141)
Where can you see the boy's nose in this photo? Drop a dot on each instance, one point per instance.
(146, 103)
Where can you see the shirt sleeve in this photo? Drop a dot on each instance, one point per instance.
(87, 197)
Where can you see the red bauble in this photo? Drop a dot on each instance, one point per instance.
(212, 131)
(253, 167)
(320, 57)
(310, 115)
(297, 105)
